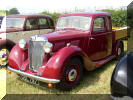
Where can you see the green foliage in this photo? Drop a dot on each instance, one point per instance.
(54, 15)
(119, 17)
(130, 17)
(9, 12)
(12, 11)
(2, 12)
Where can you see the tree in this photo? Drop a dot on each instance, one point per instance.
(13, 11)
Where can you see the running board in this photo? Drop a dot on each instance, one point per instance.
(102, 62)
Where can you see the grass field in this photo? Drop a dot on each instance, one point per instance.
(95, 82)
(2, 82)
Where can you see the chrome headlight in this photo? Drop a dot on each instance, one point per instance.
(22, 43)
(48, 47)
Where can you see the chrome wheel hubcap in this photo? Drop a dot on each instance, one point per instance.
(4, 56)
(119, 51)
(72, 75)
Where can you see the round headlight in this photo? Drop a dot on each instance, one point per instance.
(48, 47)
(22, 43)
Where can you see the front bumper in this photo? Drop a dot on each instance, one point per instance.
(42, 79)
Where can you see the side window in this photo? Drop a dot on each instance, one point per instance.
(0, 21)
(99, 25)
(51, 23)
(32, 24)
(108, 24)
(43, 23)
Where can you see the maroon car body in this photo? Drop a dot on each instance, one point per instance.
(73, 49)
(15, 27)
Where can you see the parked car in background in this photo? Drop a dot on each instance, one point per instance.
(122, 79)
(80, 40)
(15, 27)
(1, 18)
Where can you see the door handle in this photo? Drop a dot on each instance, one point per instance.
(92, 38)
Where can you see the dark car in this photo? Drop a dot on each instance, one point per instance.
(1, 18)
(122, 79)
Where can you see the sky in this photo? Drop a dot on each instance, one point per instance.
(37, 6)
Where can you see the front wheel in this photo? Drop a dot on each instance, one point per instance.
(4, 53)
(72, 75)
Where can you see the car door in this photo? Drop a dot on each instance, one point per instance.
(45, 25)
(109, 35)
(98, 42)
(31, 28)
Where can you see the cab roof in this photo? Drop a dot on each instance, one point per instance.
(93, 14)
(27, 16)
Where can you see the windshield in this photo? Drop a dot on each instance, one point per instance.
(15, 22)
(76, 22)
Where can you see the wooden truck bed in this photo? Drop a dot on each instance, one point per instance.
(120, 33)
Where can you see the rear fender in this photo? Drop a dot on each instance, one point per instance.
(56, 64)
(116, 46)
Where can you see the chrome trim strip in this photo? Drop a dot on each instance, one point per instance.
(47, 80)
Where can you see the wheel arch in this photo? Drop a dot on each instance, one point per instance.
(7, 43)
(56, 64)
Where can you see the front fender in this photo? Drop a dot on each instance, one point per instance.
(56, 64)
(17, 56)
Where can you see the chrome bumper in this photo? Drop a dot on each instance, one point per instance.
(42, 79)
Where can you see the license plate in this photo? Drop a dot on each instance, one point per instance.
(29, 80)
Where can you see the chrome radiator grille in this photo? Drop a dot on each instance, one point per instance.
(36, 54)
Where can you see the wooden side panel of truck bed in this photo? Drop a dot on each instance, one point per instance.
(120, 33)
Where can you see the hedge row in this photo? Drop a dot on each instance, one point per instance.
(119, 17)
(2, 13)
(130, 17)
(54, 15)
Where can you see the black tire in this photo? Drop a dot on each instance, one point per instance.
(120, 51)
(74, 66)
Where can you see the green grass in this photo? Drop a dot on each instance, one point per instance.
(2, 83)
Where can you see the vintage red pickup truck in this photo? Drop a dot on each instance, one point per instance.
(80, 41)
(16, 27)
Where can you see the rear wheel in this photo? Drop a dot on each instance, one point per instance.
(72, 75)
(4, 53)
(120, 51)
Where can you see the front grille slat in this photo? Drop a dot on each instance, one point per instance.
(36, 54)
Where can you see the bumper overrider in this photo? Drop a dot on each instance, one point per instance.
(35, 77)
